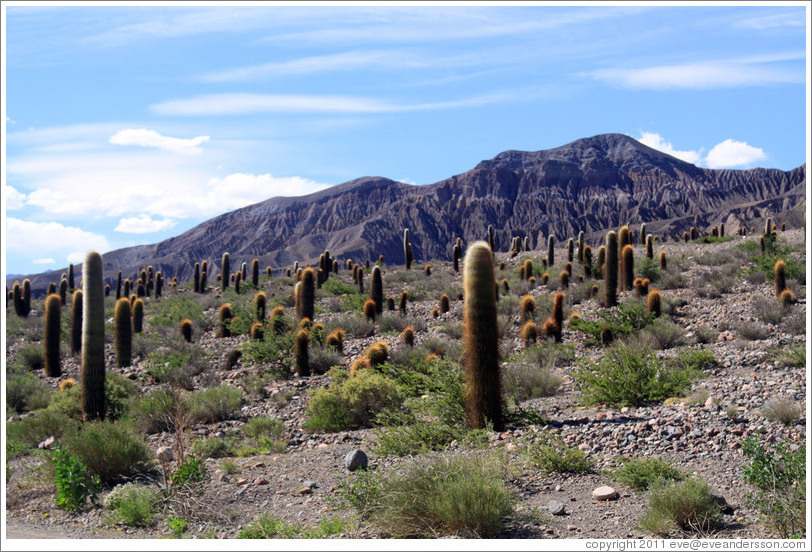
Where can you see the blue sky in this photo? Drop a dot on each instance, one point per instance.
(129, 125)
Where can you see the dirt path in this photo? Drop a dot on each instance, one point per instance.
(16, 529)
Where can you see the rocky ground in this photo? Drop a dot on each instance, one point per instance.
(300, 485)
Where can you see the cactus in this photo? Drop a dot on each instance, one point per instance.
(663, 261)
(404, 297)
(505, 285)
(76, 322)
(624, 237)
(244, 271)
(563, 279)
(237, 280)
(359, 279)
(768, 227)
(606, 335)
(456, 255)
(118, 286)
(527, 308)
(50, 341)
(360, 363)
(654, 303)
(627, 270)
(722, 230)
(548, 328)
(638, 286)
(369, 310)
(551, 250)
(529, 333)
(260, 301)
(491, 242)
(444, 303)
(407, 249)
(581, 246)
(643, 234)
(141, 289)
(204, 281)
(786, 298)
(376, 290)
(196, 279)
(779, 273)
(71, 278)
(26, 298)
(522, 271)
(277, 318)
(377, 353)
(693, 233)
(335, 340)
(644, 285)
(762, 245)
(159, 284)
(93, 370)
(186, 329)
(526, 243)
(570, 249)
(390, 303)
(255, 272)
(783, 226)
(257, 333)
(649, 246)
(138, 316)
(123, 332)
(307, 294)
(558, 315)
(685, 237)
(610, 269)
(300, 353)
(51, 288)
(225, 270)
(335, 266)
(407, 336)
(427, 270)
(224, 314)
(484, 396)
(528, 269)
(17, 298)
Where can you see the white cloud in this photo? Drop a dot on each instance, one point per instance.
(14, 199)
(703, 75)
(44, 261)
(732, 153)
(654, 140)
(245, 103)
(789, 19)
(52, 239)
(143, 224)
(151, 139)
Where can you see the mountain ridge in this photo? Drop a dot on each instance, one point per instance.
(592, 184)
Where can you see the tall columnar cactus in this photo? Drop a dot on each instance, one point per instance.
(255, 272)
(71, 280)
(369, 310)
(551, 250)
(558, 315)
(570, 249)
(527, 243)
(186, 330)
(581, 246)
(123, 332)
(53, 319)
(649, 246)
(17, 298)
(484, 394)
(297, 300)
(127, 286)
(563, 279)
(663, 261)
(407, 250)
(27, 297)
(527, 308)
(624, 237)
(587, 260)
(768, 227)
(118, 287)
(237, 280)
(491, 242)
(260, 300)
(456, 255)
(335, 266)
(225, 314)
(528, 269)
(610, 269)
(694, 235)
(76, 322)
(138, 316)
(376, 289)
(300, 353)
(308, 294)
(226, 270)
(643, 234)
(159, 284)
(722, 230)
(779, 273)
(141, 290)
(196, 278)
(404, 298)
(654, 303)
(359, 279)
(277, 318)
(93, 370)
(628, 268)
(244, 271)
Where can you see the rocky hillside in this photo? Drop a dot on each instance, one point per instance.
(589, 185)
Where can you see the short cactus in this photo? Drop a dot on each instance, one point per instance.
(376, 290)
(663, 261)
(654, 303)
(53, 319)
(779, 273)
(186, 329)
(484, 396)
(627, 269)
(369, 310)
(301, 354)
(138, 316)
(444, 303)
(407, 336)
(260, 301)
(360, 363)
(377, 353)
(427, 270)
(527, 308)
(257, 332)
(123, 332)
(786, 298)
(529, 333)
(335, 339)
(224, 314)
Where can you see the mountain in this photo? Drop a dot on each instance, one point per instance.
(593, 184)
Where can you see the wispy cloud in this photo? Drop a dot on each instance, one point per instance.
(732, 153)
(143, 224)
(44, 261)
(705, 74)
(245, 103)
(14, 199)
(151, 139)
(52, 239)
(654, 140)
(775, 21)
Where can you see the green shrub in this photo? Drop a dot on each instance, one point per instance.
(133, 504)
(273, 353)
(191, 472)
(32, 356)
(155, 412)
(40, 425)
(267, 527)
(117, 390)
(352, 403)
(110, 450)
(642, 475)
(625, 319)
(665, 334)
(779, 477)
(525, 381)
(265, 434)
(551, 455)
(793, 355)
(26, 392)
(215, 404)
(775, 249)
(686, 504)
(321, 359)
(442, 495)
(177, 526)
(215, 447)
(74, 482)
(631, 377)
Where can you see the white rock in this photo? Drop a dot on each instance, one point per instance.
(604, 493)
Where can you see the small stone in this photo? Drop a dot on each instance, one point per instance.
(305, 491)
(310, 484)
(260, 481)
(549, 530)
(242, 481)
(556, 508)
(47, 443)
(572, 528)
(604, 493)
(164, 454)
(356, 459)
(710, 402)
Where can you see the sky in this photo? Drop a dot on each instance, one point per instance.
(127, 125)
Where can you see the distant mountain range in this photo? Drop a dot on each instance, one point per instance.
(593, 184)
